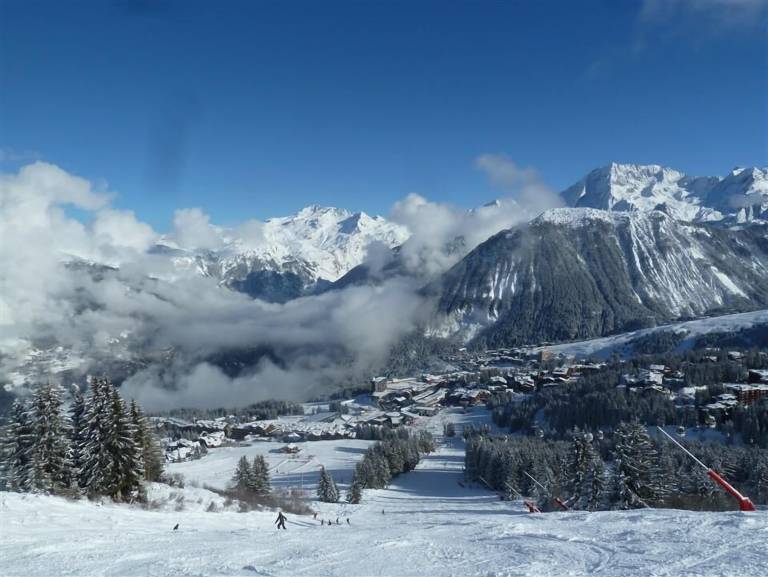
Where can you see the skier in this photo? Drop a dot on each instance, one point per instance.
(176, 527)
(314, 515)
(348, 523)
(337, 521)
(281, 519)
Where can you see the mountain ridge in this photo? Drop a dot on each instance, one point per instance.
(740, 196)
(576, 273)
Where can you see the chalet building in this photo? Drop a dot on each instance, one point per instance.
(655, 390)
(379, 384)
(240, 432)
(757, 376)
(651, 377)
(722, 406)
(747, 393)
(424, 410)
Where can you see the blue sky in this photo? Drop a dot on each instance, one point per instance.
(256, 109)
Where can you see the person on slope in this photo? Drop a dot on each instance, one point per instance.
(281, 519)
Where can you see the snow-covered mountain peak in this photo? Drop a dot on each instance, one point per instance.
(316, 213)
(289, 255)
(742, 194)
(641, 188)
(630, 173)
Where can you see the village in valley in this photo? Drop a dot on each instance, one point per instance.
(481, 380)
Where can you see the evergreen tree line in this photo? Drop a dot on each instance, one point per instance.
(388, 458)
(628, 469)
(251, 487)
(338, 407)
(252, 478)
(701, 366)
(260, 411)
(592, 402)
(595, 402)
(751, 422)
(747, 338)
(416, 352)
(658, 342)
(380, 432)
(98, 447)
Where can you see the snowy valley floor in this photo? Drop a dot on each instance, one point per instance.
(430, 526)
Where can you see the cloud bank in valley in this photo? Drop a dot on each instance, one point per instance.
(95, 287)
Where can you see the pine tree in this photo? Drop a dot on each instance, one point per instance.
(242, 478)
(258, 481)
(586, 481)
(50, 465)
(96, 465)
(636, 473)
(355, 492)
(77, 420)
(327, 491)
(395, 457)
(580, 458)
(381, 471)
(761, 475)
(150, 455)
(111, 463)
(16, 444)
(594, 498)
(126, 456)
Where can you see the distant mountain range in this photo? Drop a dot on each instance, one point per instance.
(634, 246)
(741, 196)
(309, 251)
(291, 256)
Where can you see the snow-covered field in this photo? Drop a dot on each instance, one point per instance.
(286, 471)
(425, 523)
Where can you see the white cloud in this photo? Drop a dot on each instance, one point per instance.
(193, 229)
(34, 234)
(121, 229)
(316, 342)
(524, 185)
(441, 234)
(251, 234)
(307, 345)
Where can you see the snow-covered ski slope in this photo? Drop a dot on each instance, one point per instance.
(430, 525)
(606, 346)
